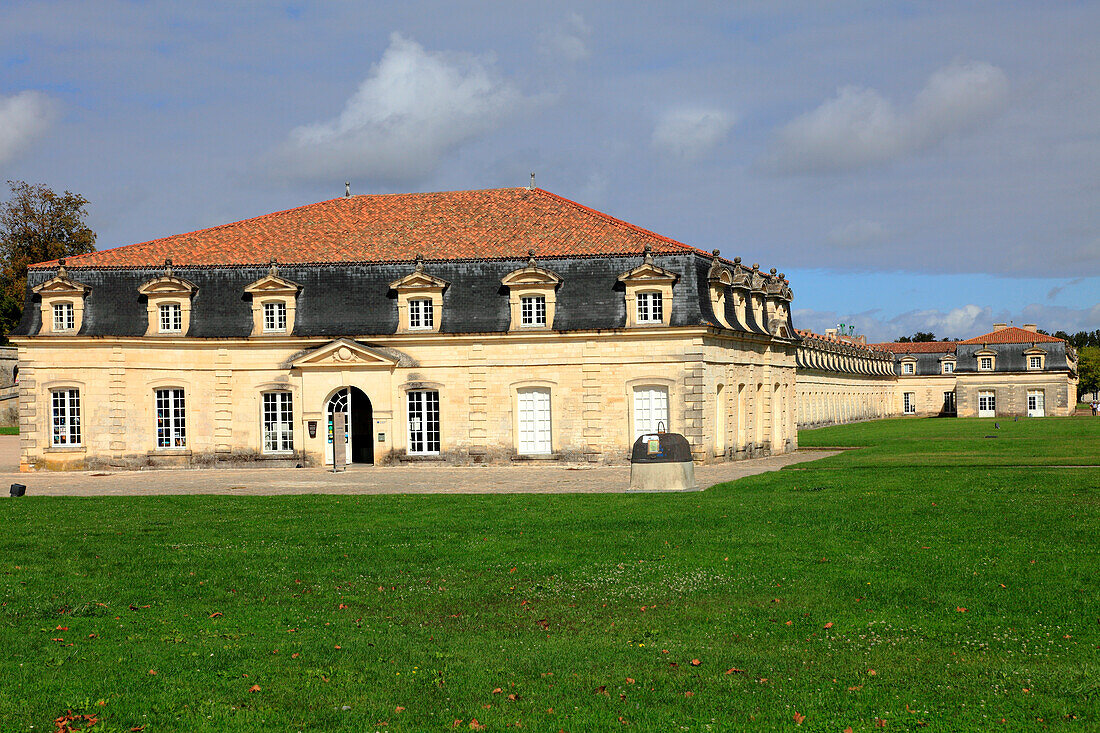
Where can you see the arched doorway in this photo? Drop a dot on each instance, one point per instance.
(359, 419)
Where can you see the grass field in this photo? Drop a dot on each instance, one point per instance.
(917, 589)
(9, 430)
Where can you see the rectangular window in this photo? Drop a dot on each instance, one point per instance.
(171, 419)
(949, 402)
(278, 422)
(985, 363)
(987, 404)
(532, 310)
(420, 313)
(908, 367)
(909, 401)
(948, 367)
(275, 317)
(650, 410)
(1036, 403)
(64, 317)
(649, 308)
(424, 422)
(534, 421)
(1035, 362)
(171, 318)
(65, 409)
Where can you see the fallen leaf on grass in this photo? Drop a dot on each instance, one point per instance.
(399, 709)
(871, 672)
(829, 625)
(543, 624)
(695, 662)
(960, 609)
(497, 691)
(216, 614)
(294, 655)
(254, 688)
(879, 722)
(689, 693)
(735, 670)
(601, 690)
(855, 688)
(137, 729)
(848, 729)
(153, 672)
(798, 718)
(630, 680)
(64, 722)
(62, 628)
(474, 725)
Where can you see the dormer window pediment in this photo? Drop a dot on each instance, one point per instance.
(272, 284)
(648, 293)
(168, 285)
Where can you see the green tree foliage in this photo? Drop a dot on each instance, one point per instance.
(1088, 369)
(917, 338)
(36, 225)
(1081, 339)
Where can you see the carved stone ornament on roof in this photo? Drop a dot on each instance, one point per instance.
(168, 284)
(272, 283)
(61, 284)
(756, 281)
(718, 274)
(531, 274)
(418, 279)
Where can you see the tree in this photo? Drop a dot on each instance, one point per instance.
(917, 338)
(36, 225)
(1088, 369)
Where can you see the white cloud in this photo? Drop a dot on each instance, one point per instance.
(688, 134)
(23, 118)
(569, 42)
(413, 108)
(859, 127)
(858, 234)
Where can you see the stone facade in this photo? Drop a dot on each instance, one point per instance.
(562, 356)
(840, 379)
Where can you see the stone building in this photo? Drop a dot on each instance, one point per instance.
(1007, 372)
(841, 379)
(470, 326)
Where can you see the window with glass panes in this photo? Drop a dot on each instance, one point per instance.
(171, 318)
(1035, 362)
(909, 402)
(423, 422)
(985, 363)
(948, 367)
(420, 313)
(532, 310)
(278, 410)
(649, 308)
(171, 418)
(65, 412)
(275, 316)
(908, 368)
(64, 317)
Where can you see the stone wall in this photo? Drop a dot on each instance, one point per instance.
(1011, 390)
(591, 378)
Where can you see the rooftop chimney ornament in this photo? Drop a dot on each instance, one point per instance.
(531, 258)
(648, 259)
(347, 189)
(419, 262)
(273, 271)
(532, 186)
(168, 266)
(61, 271)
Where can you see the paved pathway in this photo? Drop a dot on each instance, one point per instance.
(412, 479)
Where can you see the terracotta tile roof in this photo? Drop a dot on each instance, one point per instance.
(919, 347)
(499, 223)
(1011, 335)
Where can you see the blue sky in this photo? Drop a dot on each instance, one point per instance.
(910, 166)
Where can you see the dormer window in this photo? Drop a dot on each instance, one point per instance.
(421, 314)
(650, 308)
(64, 317)
(62, 303)
(1036, 359)
(648, 293)
(533, 310)
(949, 367)
(532, 295)
(985, 363)
(275, 316)
(908, 367)
(419, 300)
(171, 318)
(168, 300)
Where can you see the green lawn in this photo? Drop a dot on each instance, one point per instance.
(9, 430)
(916, 594)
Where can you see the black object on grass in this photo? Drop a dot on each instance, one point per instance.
(18, 490)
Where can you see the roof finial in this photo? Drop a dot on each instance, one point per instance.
(648, 259)
(419, 262)
(715, 252)
(61, 271)
(168, 266)
(347, 189)
(273, 271)
(531, 258)
(737, 260)
(532, 186)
